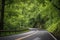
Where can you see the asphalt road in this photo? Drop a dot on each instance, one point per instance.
(31, 35)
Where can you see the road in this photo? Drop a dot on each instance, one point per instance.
(31, 35)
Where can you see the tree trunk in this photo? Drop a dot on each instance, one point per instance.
(2, 15)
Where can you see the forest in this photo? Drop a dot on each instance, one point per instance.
(24, 14)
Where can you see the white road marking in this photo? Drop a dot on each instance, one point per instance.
(37, 38)
(26, 36)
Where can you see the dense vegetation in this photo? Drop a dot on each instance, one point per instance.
(23, 14)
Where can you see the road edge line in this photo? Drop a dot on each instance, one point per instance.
(52, 36)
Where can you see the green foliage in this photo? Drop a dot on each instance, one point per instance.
(57, 3)
(57, 31)
(52, 28)
(18, 15)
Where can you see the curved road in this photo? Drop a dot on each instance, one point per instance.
(31, 35)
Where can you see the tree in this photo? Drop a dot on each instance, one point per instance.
(2, 15)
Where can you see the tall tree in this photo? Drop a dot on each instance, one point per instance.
(2, 14)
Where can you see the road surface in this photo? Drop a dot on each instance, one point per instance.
(31, 35)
